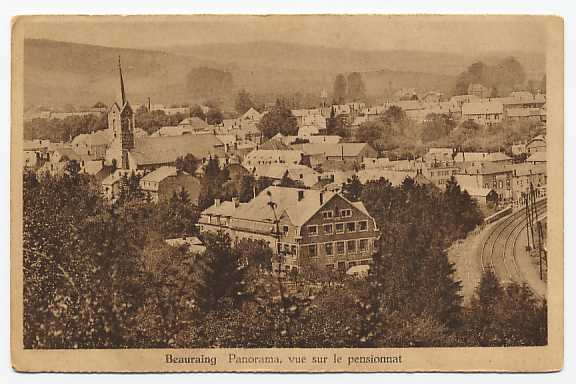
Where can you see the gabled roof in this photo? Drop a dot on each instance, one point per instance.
(538, 157)
(485, 169)
(287, 203)
(525, 169)
(270, 156)
(333, 150)
(159, 174)
(194, 123)
(252, 114)
(275, 144)
(165, 149)
(394, 177)
(101, 137)
(482, 108)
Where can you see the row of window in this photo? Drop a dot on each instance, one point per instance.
(498, 184)
(329, 229)
(341, 213)
(339, 247)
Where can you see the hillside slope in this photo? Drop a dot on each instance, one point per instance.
(60, 73)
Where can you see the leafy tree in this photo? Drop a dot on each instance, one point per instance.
(243, 102)
(339, 91)
(254, 253)
(394, 114)
(219, 273)
(197, 111)
(372, 131)
(278, 120)
(63, 130)
(177, 217)
(352, 190)
(214, 116)
(335, 125)
(189, 164)
(356, 87)
(436, 126)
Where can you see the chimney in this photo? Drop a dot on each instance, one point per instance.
(216, 202)
(300, 195)
(236, 202)
(321, 198)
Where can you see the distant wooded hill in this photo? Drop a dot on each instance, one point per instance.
(59, 73)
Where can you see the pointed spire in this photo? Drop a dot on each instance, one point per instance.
(121, 83)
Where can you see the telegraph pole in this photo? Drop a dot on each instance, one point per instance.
(277, 235)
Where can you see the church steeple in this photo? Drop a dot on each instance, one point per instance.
(123, 94)
(121, 124)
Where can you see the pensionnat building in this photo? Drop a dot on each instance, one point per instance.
(307, 227)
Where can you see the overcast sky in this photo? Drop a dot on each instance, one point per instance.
(448, 34)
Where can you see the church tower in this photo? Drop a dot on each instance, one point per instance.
(120, 128)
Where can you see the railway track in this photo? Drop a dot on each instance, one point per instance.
(498, 251)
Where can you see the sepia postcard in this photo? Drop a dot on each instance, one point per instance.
(287, 193)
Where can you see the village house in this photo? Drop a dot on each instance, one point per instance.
(260, 157)
(162, 183)
(485, 113)
(526, 174)
(484, 196)
(438, 173)
(350, 152)
(478, 158)
(536, 144)
(93, 144)
(537, 115)
(305, 227)
(487, 175)
(456, 102)
(296, 172)
(36, 152)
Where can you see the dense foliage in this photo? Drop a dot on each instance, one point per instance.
(99, 275)
(278, 120)
(62, 130)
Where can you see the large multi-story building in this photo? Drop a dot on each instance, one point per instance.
(306, 227)
(488, 176)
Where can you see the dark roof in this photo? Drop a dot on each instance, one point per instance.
(275, 144)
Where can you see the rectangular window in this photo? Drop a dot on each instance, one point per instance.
(328, 249)
(346, 213)
(340, 228)
(340, 247)
(312, 250)
(327, 214)
(312, 230)
(285, 228)
(363, 245)
(351, 246)
(293, 250)
(328, 229)
(351, 226)
(279, 246)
